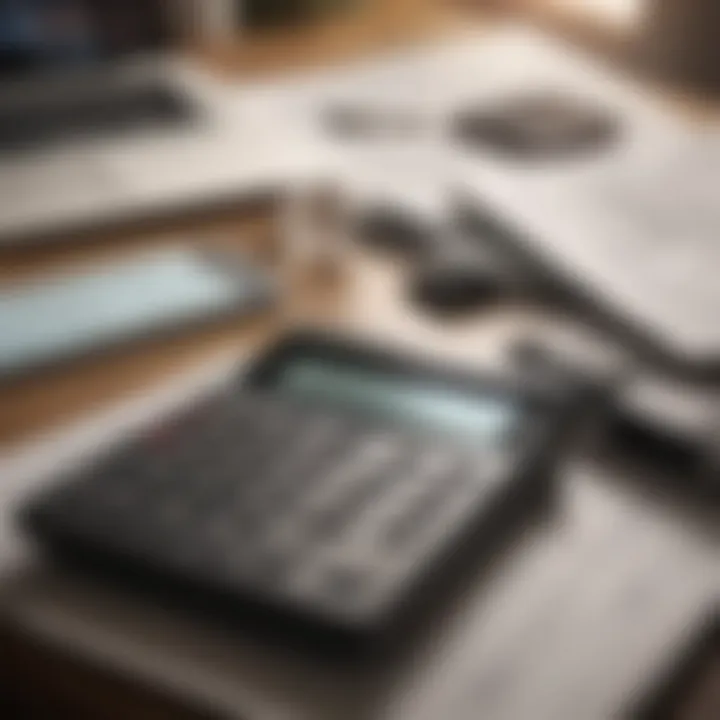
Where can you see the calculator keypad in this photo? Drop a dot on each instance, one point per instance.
(257, 493)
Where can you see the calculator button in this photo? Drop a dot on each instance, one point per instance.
(247, 522)
(263, 565)
(420, 513)
(344, 583)
(351, 589)
(223, 535)
(349, 510)
(275, 566)
(435, 464)
(176, 513)
(118, 467)
(325, 525)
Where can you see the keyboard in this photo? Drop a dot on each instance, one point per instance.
(256, 504)
(98, 113)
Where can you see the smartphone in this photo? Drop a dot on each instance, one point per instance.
(60, 319)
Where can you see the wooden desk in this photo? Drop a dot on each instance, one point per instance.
(47, 683)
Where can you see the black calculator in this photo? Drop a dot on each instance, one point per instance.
(320, 491)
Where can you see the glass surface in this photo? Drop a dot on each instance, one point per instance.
(41, 322)
(489, 418)
(40, 35)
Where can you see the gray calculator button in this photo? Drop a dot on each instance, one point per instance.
(344, 583)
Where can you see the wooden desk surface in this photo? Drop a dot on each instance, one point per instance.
(51, 399)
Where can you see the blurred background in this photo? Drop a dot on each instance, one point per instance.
(494, 223)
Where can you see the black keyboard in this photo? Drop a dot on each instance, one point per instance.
(95, 114)
(259, 501)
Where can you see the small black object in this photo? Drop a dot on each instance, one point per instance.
(144, 106)
(463, 274)
(560, 358)
(449, 288)
(535, 126)
(309, 499)
(672, 428)
(395, 230)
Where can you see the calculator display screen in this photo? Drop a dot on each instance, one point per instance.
(491, 418)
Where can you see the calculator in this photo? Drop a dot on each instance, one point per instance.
(320, 492)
